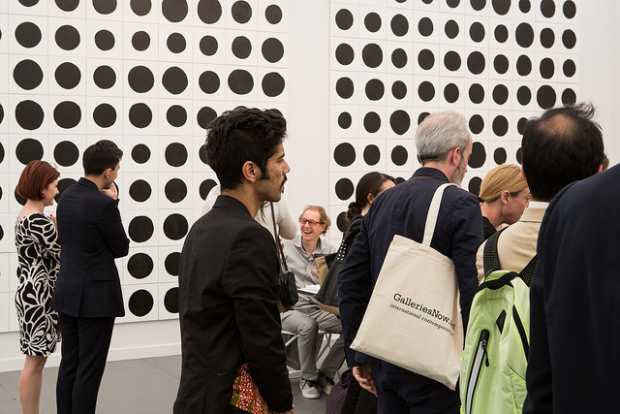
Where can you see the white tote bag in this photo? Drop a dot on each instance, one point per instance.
(413, 319)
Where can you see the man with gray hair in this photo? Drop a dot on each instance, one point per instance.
(444, 146)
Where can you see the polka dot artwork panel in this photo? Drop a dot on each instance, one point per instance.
(394, 62)
(149, 75)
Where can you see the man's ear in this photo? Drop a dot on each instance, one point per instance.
(456, 155)
(251, 171)
(106, 173)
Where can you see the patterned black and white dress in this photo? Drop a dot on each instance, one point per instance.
(38, 255)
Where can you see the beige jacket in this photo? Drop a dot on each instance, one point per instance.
(517, 244)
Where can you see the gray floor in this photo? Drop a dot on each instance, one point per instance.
(141, 386)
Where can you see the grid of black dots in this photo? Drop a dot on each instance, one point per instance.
(392, 62)
(149, 75)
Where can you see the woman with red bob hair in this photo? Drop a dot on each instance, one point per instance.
(38, 255)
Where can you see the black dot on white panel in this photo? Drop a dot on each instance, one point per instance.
(67, 114)
(374, 89)
(569, 97)
(141, 40)
(372, 55)
(28, 34)
(67, 37)
(104, 40)
(452, 60)
(521, 123)
(272, 84)
(451, 93)
(344, 54)
(273, 50)
(426, 91)
(345, 120)
(501, 7)
(501, 33)
(273, 14)
(500, 64)
(104, 6)
(525, 6)
(478, 155)
(140, 191)
(176, 116)
(422, 117)
(171, 300)
(524, 95)
(104, 115)
(171, 263)
(28, 3)
(546, 97)
(399, 58)
(569, 39)
(175, 80)
(67, 75)
(477, 32)
(474, 185)
(241, 12)
(174, 10)
(426, 59)
(209, 11)
(452, 29)
(372, 22)
(344, 154)
(140, 229)
(175, 190)
(547, 37)
(140, 265)
(524, 65)
(500, 94)
(208, 45)
(29, 115)
(569, 68)
(175, 226)
(1, 146)
(240, 81)
(63, 184)
(400, 25)
(66, 153)
(176, 43)
(570, 9)
(547, 68)
(500, 125)
(344, 87)
(202, 154)
(372, 122)
(141, 79)
(400, 122)
(28, 149)
(140, 115)
(241, 47)
(500, 156)
(478, 4)
(140, 302)
(141, 7)
(399, 155)
(476, 62)
(372, 154)
(425, 27)
(399, 89)
(28, 74)
(344, 19)
(344, 189)
(205, 187)
(140, 153)
(519, 156)
(176, 154)
(476, 124)
(209, 82)
(341, 222)
(205, 115)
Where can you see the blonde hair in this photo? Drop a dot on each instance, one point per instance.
(324, 217)
(506, 177)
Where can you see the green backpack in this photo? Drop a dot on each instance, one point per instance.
(496, 351)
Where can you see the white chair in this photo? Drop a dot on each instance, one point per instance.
(289, 339)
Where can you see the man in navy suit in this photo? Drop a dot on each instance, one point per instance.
(88, 292)
(444, 146)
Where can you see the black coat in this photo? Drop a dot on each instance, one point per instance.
(574, 363)
(229, 312)
(91, 236)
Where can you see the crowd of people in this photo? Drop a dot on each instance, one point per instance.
(555, 208)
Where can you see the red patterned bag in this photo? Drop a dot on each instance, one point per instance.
(245, 394)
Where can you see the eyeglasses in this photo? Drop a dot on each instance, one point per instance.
(312, 223)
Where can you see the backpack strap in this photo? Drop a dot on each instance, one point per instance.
(490, 258)
(528, 271)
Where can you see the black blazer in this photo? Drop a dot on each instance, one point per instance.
(229, 312)
(91, 236)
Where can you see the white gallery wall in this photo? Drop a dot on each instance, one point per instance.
(352, 78)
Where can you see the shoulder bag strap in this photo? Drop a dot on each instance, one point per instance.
(281, 258)
(433, 212)
(528, 271)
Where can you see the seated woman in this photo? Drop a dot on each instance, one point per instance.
(503, 197)
(306, 319)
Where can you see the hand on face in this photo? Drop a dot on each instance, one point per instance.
(111, 192)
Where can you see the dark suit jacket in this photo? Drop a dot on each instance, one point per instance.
(91, 236)
(228, 312)
(574, 364)
(402, 210)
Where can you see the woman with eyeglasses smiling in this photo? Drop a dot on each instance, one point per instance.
(306, 319)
